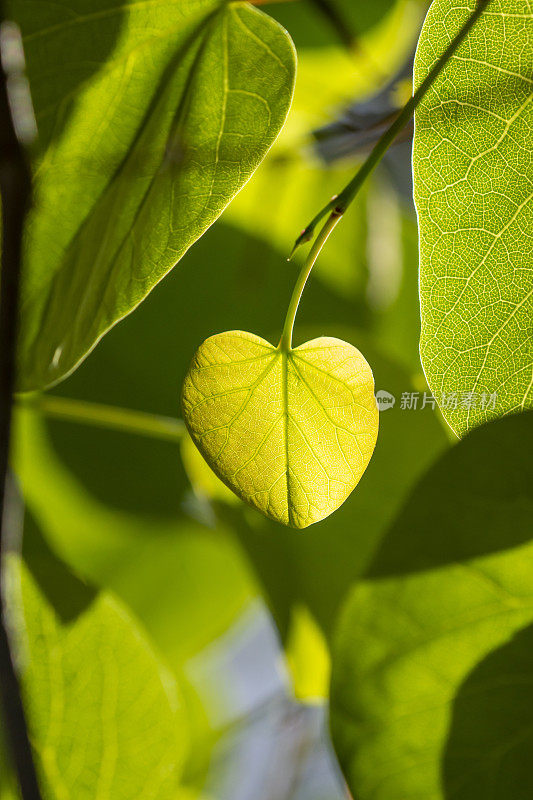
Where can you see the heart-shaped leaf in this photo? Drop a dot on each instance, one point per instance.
(290, 432)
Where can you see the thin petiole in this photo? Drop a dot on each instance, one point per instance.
(105, 416)
(286, 336)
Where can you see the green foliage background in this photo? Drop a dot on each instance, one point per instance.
(406, 614)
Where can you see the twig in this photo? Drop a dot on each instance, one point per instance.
(99, 415)
(15, 188)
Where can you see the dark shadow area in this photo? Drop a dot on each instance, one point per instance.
(323, 23)
(477, 499)
(142, 361)
(67, 594)
(135, 473)
(272, 555)
(489, 747)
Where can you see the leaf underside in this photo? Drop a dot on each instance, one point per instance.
(473, 182)
(291, 433)
(431, 693)
(137, 160)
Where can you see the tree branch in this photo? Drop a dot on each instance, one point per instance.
(15, 188)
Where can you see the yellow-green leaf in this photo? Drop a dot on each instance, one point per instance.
(291, 432)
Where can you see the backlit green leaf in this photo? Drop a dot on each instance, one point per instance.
(104, 719)
(431, 694)
(290, 432)
(149, 125)
(473, 189)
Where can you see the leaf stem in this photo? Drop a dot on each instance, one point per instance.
(286, 336)
(105, 416)
(340, 202)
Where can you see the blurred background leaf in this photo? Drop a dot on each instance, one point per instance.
(331, 75)
(449, 585)
(103, 715)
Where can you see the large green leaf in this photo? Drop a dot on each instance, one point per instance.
(185, 582)
(473, 179)
(138, 155)
(490, 739)
(423, 704)
(104, 718)
(291, 432)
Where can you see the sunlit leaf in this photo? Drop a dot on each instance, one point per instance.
(104, 718)
(423, 703)
(149, 125)
(473, 179)
(290, 432)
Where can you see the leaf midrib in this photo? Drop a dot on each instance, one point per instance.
(285, 410)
